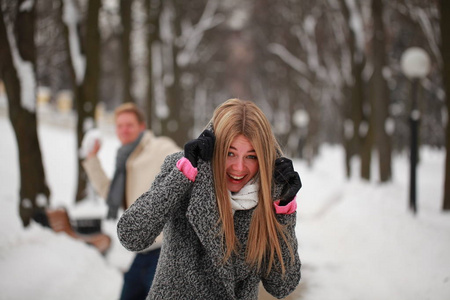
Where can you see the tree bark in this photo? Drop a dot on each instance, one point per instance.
(34, 192)
(153, 13)
(125, 14)
(366, 151)
(86, 92)
(177, 123)
(380, 91)
(445, 50)
(355, 113)
(89, 94)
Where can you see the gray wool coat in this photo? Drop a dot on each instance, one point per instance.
(191, 261)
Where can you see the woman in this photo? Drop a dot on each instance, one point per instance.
(223, 231)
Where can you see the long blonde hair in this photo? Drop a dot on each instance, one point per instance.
(235, 117)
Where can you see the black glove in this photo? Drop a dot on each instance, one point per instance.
(284, 174)
(202, 148)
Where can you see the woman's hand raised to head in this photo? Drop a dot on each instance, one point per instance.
(200, 148)
(285, 174)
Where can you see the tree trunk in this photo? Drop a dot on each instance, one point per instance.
(88, 98)
(313, 142)
(445, 50)
(380, 93)
(357, 104)
(355, 113)
(367, 136)
(367, 128)
(125, 14)
(177, 124)
(153, 14)
(34, 192)
(86, 88)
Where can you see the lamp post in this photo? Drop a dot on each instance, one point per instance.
(415, 64)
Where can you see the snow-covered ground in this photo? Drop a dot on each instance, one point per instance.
(358, 240)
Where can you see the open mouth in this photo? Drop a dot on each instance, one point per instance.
(237, 178)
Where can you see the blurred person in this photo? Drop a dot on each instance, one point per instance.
(227, 207)
(138, 161)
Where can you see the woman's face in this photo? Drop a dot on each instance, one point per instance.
(242, 163)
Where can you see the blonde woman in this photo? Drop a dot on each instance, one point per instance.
(227, 208)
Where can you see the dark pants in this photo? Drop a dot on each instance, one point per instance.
(139, 278)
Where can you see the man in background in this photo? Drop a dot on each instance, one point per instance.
(138, 161)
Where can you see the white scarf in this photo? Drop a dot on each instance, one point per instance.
(246, 198)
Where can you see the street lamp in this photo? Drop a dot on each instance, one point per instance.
(415, 64)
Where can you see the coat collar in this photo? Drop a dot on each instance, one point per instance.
(203, 215)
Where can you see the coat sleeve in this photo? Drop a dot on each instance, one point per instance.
(144, 220)
(275, 283)
(97, 176)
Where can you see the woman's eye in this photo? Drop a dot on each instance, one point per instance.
(230, 154)
(252, 157)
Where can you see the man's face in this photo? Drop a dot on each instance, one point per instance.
(128, 127)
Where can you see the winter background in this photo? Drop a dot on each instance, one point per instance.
(357, 240)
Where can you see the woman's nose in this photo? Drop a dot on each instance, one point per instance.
(238, 164)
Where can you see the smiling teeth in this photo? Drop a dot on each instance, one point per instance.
(236, 178)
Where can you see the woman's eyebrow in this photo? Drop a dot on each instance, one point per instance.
(250, 151)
